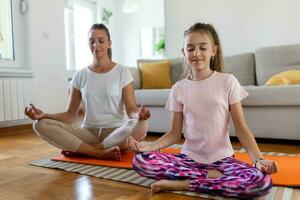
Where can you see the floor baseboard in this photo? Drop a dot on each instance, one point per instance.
(15, 122)
(8, 127)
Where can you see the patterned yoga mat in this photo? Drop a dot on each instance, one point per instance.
(130, 176)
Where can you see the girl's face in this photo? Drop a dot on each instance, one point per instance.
(198, 50)
(99, 43)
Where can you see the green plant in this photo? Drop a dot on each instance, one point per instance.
(106, 14)
(160, 45)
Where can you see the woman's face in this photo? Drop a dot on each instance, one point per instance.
(99, 43)
(198, 50)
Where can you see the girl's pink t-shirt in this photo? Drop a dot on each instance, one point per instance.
(206, 115)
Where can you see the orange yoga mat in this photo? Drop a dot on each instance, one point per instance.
(288, 175)
(126, 159)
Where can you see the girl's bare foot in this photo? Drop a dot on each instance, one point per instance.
(169, 185)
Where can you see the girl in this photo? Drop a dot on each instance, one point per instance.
(104, 87)
(202, 104)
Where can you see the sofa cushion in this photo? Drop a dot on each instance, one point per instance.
(152, 97)
(272, 60)
(272, 96)
(177, 71)
(285, 78)
(155, 75)
(242, 67)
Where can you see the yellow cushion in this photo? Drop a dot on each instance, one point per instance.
(156, 75)
(285, 78)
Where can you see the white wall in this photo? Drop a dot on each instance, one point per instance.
(46, 53)
(125, 28)
(243, 25)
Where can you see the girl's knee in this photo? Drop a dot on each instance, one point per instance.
(138, 159)
(261, 188)
(265, 185)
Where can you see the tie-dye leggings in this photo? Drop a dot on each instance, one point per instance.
(240, 179)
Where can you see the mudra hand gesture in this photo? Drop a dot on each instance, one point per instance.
(34, 113)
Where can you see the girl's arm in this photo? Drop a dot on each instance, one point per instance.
(130, 104)
(248, 141)
(171, 137)
(67, 117)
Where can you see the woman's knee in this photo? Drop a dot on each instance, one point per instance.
(40, 126)
(37, 124)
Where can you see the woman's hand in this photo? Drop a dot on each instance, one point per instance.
(137, 146)
(267, 166)
(34, 113)
(144, 113)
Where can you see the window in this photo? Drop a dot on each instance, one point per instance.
(79, 17)
(152, 42)
(12, 43)
(6, 33)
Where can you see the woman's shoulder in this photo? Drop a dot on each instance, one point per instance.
(120, 68)
(80, 73)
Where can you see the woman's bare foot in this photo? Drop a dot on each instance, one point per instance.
(94, 150)
(112, 153)
(169, 185)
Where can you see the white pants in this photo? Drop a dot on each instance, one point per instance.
(69, 138)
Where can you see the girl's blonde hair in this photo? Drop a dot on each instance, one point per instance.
(216, 62)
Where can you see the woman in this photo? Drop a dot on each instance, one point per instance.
(104, 88)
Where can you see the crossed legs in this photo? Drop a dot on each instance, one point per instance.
(87, 141)
(227, 177)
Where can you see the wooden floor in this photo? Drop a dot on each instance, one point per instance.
(19, 180)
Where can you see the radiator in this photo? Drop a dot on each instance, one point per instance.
(15, 95)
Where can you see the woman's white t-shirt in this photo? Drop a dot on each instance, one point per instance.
(102, 96)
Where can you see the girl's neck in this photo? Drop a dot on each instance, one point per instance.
(198, 75)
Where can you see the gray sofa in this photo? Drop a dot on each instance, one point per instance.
(270, 111)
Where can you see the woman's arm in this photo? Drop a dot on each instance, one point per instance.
(132, 111)
(67, 117)
(248, 141)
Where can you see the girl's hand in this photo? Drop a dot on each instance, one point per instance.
(267, 166)
(34, 113)
(144, 113)
(137, 146)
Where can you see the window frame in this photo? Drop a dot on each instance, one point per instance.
(17, 66)
(70, 43)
